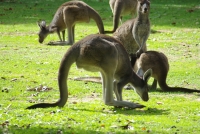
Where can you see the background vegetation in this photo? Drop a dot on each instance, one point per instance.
(25, 64)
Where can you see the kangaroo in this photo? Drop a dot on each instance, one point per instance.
(120, 8)
(67, 15)
(104, 54)
(158, 62)
(134, 33)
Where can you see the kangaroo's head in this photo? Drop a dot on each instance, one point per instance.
(43, 31)
(144, 6)
(141, 87)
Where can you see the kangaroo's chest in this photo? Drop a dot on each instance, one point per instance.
(143, 29)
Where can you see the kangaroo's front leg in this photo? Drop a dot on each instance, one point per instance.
(143, 43)
(140, 51)
(103, 85)
(70, 31)
(73, 35)
(116, 91)
(59, 36)
(63, 35)
(154, 85)
(70, 41)
(109, 100)
(108, 86)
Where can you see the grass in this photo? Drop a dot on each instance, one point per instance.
(26, 64)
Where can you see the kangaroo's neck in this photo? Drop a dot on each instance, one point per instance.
(143, 18)
(136, 80)
(52, 28)
(57, 24)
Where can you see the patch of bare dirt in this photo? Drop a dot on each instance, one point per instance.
(89, 98)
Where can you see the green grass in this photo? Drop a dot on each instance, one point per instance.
(26, 64)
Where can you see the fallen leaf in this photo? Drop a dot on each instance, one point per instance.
(14, 79)
(173, 23)
(144, 128)
(190, 10)
(6, 90)
(102, 125)
(40, 88)
(3, 78)
(74, 102)
(128, 127)
(159, 103)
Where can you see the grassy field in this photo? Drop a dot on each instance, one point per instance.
(25, 64)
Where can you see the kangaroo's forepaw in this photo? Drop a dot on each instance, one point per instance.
(138, 53)
(54, 43)
(140, 106)
(61, 43)
(135, 105)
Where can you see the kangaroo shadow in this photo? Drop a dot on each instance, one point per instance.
(128, 111)
(58, 43)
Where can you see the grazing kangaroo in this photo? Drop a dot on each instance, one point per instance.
(134, 33)
(104, 54)
(158, 62)
(120, 8)
(67, 15)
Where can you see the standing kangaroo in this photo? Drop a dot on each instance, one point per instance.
(67, 15)
(158, 62)
(120, 8)
(104, 54)
(134, 33)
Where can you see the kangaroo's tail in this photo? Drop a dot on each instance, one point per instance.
(95, 15)
(68, 59)
(163, 85)
(181, 89)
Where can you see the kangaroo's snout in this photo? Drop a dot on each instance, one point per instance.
(145, 10)
(145, 96)
(40, 41)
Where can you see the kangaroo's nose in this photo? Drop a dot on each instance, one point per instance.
(40, 41)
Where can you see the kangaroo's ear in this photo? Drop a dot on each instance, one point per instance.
(147, 75)
(38, 23)
(140, 72)
(42, 24)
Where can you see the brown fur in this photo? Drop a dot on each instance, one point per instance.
(67, 15)
(104, 54)
(134, 33)
(158, 62)
(120, 8)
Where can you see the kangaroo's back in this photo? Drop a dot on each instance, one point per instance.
(66, 17)
(157, 61)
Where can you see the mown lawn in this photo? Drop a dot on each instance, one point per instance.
(25, 64)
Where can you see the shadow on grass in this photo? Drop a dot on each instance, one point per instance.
(72, 126)
(62, 129)
(126, 111)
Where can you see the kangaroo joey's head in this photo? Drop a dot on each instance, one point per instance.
(43, 31)
(144, 6)
(142, 89)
